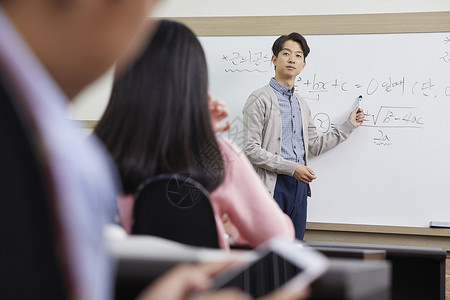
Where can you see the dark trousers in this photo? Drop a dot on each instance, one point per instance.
(291, 195)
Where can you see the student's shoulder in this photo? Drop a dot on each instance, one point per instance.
(234, 158)
(227, 146)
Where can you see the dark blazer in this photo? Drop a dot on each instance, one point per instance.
(31, 251)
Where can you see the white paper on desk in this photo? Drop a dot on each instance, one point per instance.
(156, 248)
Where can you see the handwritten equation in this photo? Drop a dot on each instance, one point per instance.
(249, 61)
(446, 55)
(312, 88)
(394, 117)
(382, 139)
(385, 117)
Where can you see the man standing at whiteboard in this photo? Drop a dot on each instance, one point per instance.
(279, 132)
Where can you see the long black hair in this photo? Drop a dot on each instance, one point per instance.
(157, 120)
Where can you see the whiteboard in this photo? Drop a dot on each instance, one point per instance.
(394, 169)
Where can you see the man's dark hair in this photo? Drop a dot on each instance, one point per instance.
(294, 36)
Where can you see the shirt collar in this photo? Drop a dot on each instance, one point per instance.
(280, 88)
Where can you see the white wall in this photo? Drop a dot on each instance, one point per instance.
(215, 8)
(90, 103)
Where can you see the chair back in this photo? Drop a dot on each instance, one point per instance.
(175, 207)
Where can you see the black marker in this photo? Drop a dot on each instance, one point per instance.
(359, 103)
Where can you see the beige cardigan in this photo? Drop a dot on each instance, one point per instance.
(262, 136)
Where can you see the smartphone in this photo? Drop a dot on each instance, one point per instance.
(278, 264)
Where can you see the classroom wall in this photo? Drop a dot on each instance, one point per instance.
(90, 103)
(217, 8)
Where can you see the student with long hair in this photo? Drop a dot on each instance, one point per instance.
(158, 121)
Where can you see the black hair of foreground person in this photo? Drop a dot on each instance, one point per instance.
(157, 120)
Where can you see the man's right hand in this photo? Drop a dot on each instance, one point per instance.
(304, 174)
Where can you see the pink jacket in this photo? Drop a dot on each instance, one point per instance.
(243, 197)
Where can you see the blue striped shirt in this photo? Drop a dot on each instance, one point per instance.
(292, 147)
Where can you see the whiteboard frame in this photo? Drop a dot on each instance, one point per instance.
(319, 24)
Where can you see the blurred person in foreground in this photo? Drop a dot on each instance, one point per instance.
(58, 190)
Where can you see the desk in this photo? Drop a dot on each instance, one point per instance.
(417, 272)
(354, 279)
(365, 254)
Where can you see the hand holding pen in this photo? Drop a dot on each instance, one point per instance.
(357, 116)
